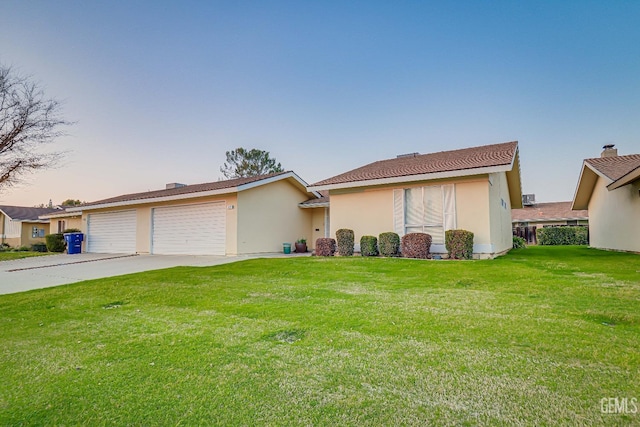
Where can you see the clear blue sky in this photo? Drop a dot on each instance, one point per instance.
(160, 90)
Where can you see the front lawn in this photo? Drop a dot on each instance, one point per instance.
(9, 255)
(540, 336)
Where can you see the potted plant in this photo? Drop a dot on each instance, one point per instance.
(301, 245)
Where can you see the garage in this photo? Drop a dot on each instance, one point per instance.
(112, 232)
(189, 229)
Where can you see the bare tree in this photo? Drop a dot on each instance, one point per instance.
(242, 163)
(28, 121)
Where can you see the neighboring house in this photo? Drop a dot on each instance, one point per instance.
(237, 216)
(527, 219)
(62, 220)
(472, 189)
(21, 226)
(609, 187)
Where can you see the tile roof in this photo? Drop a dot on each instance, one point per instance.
(615, 167)
(22, 213)
(420, 164)
(548, 212)
(187, 189)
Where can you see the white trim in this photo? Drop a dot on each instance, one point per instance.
(61, 215)
(327, 218)
(198, 194)
(415, 178)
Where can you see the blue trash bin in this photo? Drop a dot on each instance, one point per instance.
(74, 242)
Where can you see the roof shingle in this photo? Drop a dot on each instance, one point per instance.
(187, 189)
(444, 161)
(22, 213)
(548, 212)
(615, 167)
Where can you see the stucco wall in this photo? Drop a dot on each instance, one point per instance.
(269, 216)
(613, 217)
(370, 211)
(366, 212)
(500, 213)
(27, 230)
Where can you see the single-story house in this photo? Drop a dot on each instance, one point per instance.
(609, 187)
(62, 220)
(238, 216)
(472, 189)
(22, 226)
(532, 216)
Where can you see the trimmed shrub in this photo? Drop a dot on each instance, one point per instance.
(551, 236)
(346, 239)
(72, 230)
(416, 245)
(39, 247)
(368, 246)
(55, 242)
(23, 249)
(325, 246)
(389, 244)
(519, 242)
(459, 244)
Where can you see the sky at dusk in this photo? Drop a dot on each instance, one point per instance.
(159, 90)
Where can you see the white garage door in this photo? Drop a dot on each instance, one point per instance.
(112, 233)
(190, 229)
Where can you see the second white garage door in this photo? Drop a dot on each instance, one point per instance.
(190, 229)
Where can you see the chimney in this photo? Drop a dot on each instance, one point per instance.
(609, 151)
(173, 185)
(402, 156)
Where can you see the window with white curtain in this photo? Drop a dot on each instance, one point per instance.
(430, 209)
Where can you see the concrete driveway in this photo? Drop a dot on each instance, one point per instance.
(53, 270)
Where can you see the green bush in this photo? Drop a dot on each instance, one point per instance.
(55, 242)
(416, 245)
(23, 249)
(346, 240)
(519, 242)
(368, 246)
(39, 247)
(552, 236)
(459, 244)
(389, 244)
(72, 230)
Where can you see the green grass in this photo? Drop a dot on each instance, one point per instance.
(10, 255)
(537, 337)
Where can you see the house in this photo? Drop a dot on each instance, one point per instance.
(609, 187)
(533, 215)
(472, 189)
(238, 216)
(21, 226)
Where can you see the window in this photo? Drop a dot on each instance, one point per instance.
(37, 232)
(428, 210)
(61, 226)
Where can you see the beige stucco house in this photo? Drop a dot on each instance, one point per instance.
(21, 226)
(238, 216)
(472, 189)
(609, 187)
